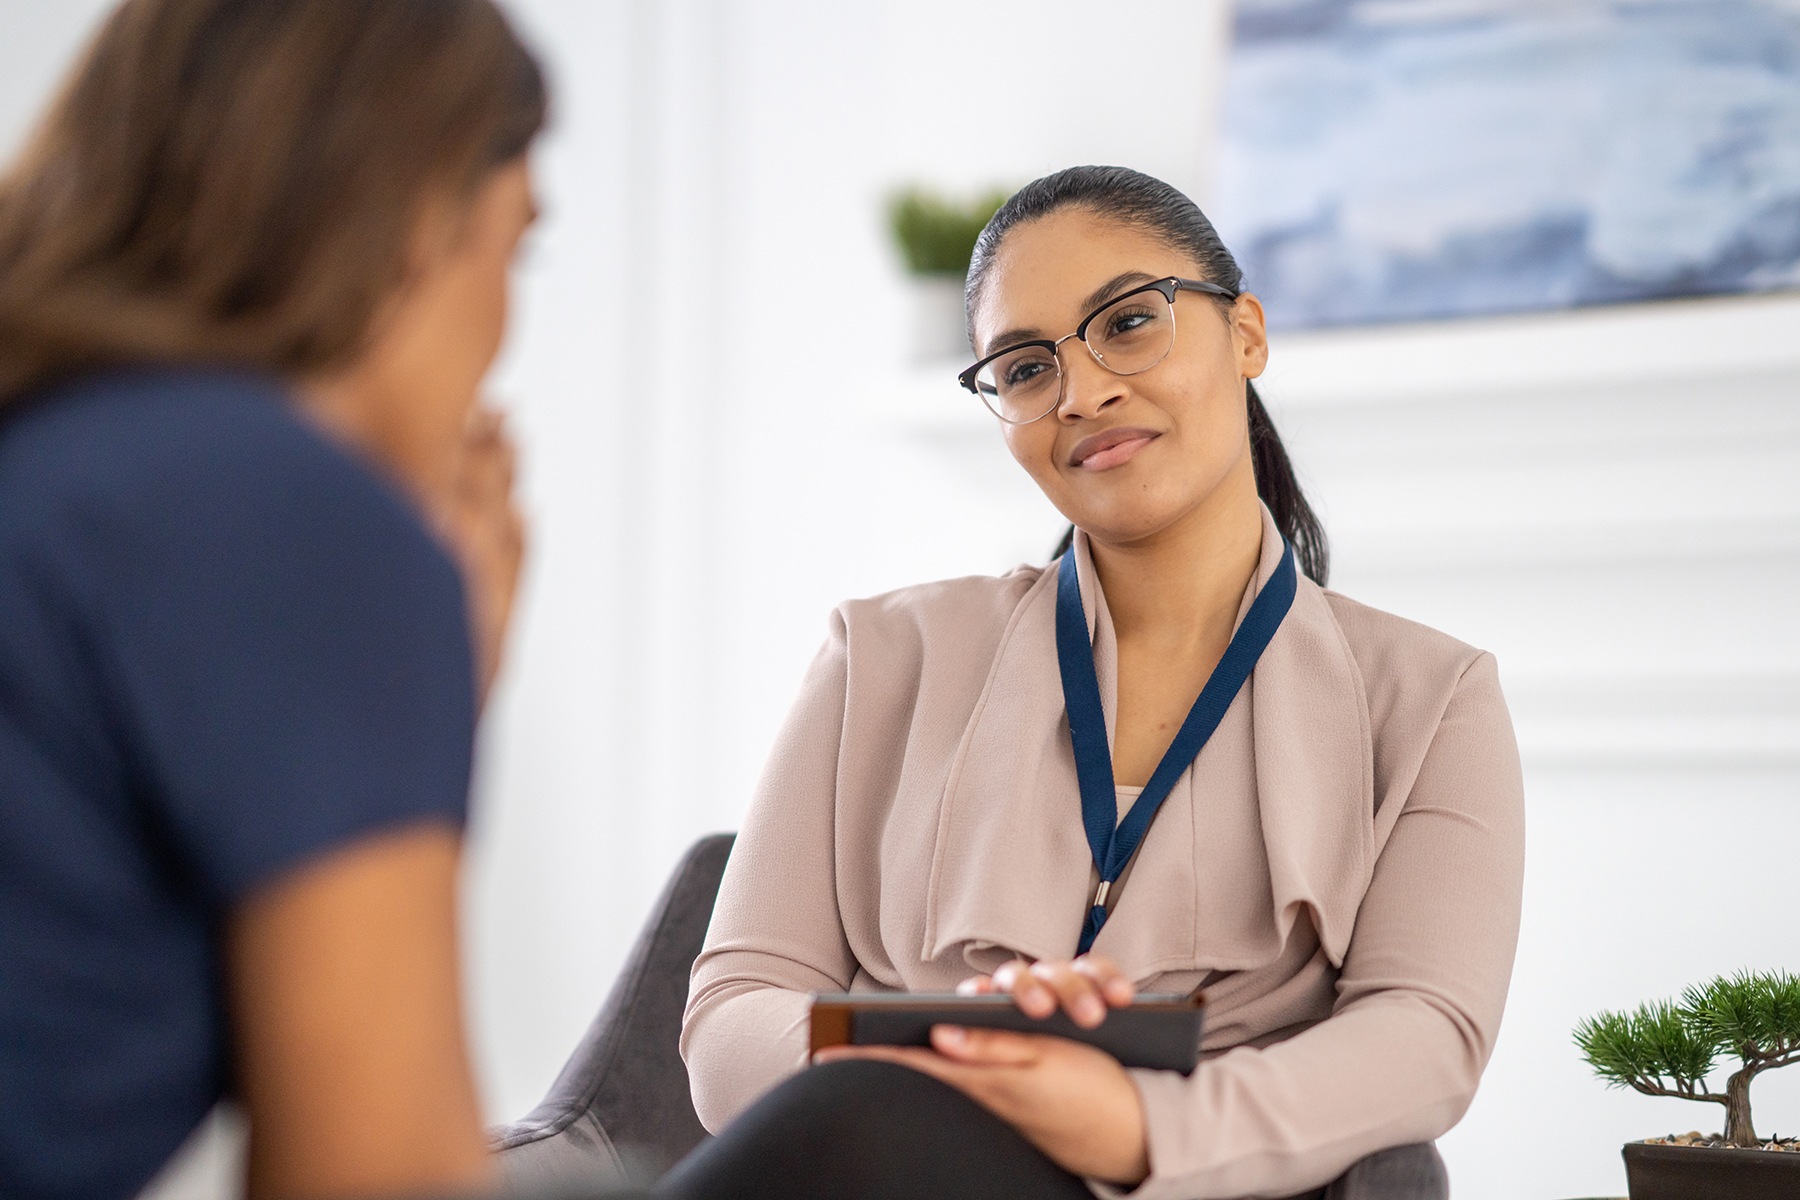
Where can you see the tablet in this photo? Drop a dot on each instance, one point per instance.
(1161, 1033)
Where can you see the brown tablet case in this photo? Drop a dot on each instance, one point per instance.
(1161, 1033)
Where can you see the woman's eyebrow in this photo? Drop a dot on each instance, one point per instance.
(1013, 337)
(1116, 284)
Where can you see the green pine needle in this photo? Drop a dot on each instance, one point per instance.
(1654, 1049)
(1752, 1015)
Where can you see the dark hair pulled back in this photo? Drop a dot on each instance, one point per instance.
(1139, 200)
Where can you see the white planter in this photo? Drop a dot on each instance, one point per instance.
(939, 331)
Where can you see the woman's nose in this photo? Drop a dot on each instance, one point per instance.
(1087, 387)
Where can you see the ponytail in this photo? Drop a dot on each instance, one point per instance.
(1280, 490)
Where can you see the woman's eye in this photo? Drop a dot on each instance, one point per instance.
(1025, 372)
(1129, 321)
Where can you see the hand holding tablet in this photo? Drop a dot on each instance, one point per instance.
(1043, 1045)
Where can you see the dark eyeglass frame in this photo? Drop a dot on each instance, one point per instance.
(1168, 287)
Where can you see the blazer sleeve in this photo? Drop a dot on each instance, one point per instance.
(776, 932)
(1419, 998)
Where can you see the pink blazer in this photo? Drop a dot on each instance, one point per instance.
(1340, 867)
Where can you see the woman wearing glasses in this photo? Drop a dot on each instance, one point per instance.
(1168, 761)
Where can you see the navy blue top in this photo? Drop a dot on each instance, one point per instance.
(226, 647)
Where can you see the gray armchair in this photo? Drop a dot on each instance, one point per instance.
(620, 1112)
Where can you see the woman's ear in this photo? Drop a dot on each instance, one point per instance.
(1249, 336)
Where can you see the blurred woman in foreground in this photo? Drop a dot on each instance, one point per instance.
(257, 553)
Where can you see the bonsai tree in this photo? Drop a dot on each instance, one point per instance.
(1668, 1049)
(936, 236)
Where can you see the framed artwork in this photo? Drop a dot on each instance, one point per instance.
(1398, 160)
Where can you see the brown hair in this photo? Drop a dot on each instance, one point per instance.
(238, 181)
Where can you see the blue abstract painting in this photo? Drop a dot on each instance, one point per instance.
(1392, 160)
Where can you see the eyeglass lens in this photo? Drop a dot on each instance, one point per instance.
(1132, 334)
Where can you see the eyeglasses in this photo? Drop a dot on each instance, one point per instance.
(1126, 335)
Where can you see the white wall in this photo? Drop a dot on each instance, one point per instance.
(724, 438)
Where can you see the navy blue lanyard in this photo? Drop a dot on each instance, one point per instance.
(1113, 841)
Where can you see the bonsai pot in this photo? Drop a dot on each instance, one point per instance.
(1665, 1172)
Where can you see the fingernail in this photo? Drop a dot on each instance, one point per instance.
(954, 1034)
(1091, 1009)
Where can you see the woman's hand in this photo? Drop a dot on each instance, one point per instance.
(488, 535)
(1073, 1102)
(1084, 988)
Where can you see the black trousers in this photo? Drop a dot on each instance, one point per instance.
(868, 1131)
(876, 1131)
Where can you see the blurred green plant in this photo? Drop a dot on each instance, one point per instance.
(936, 235)
(1668, 1048)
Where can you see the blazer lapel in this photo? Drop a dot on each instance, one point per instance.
(1011, 860)
(1315, 778)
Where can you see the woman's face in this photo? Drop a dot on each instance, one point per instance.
(1124, 457)
(407, 399)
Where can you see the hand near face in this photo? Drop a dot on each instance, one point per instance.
(487, 534)
(410, 401)
(1073, 1102)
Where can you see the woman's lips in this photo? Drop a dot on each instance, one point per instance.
(1104, 451)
